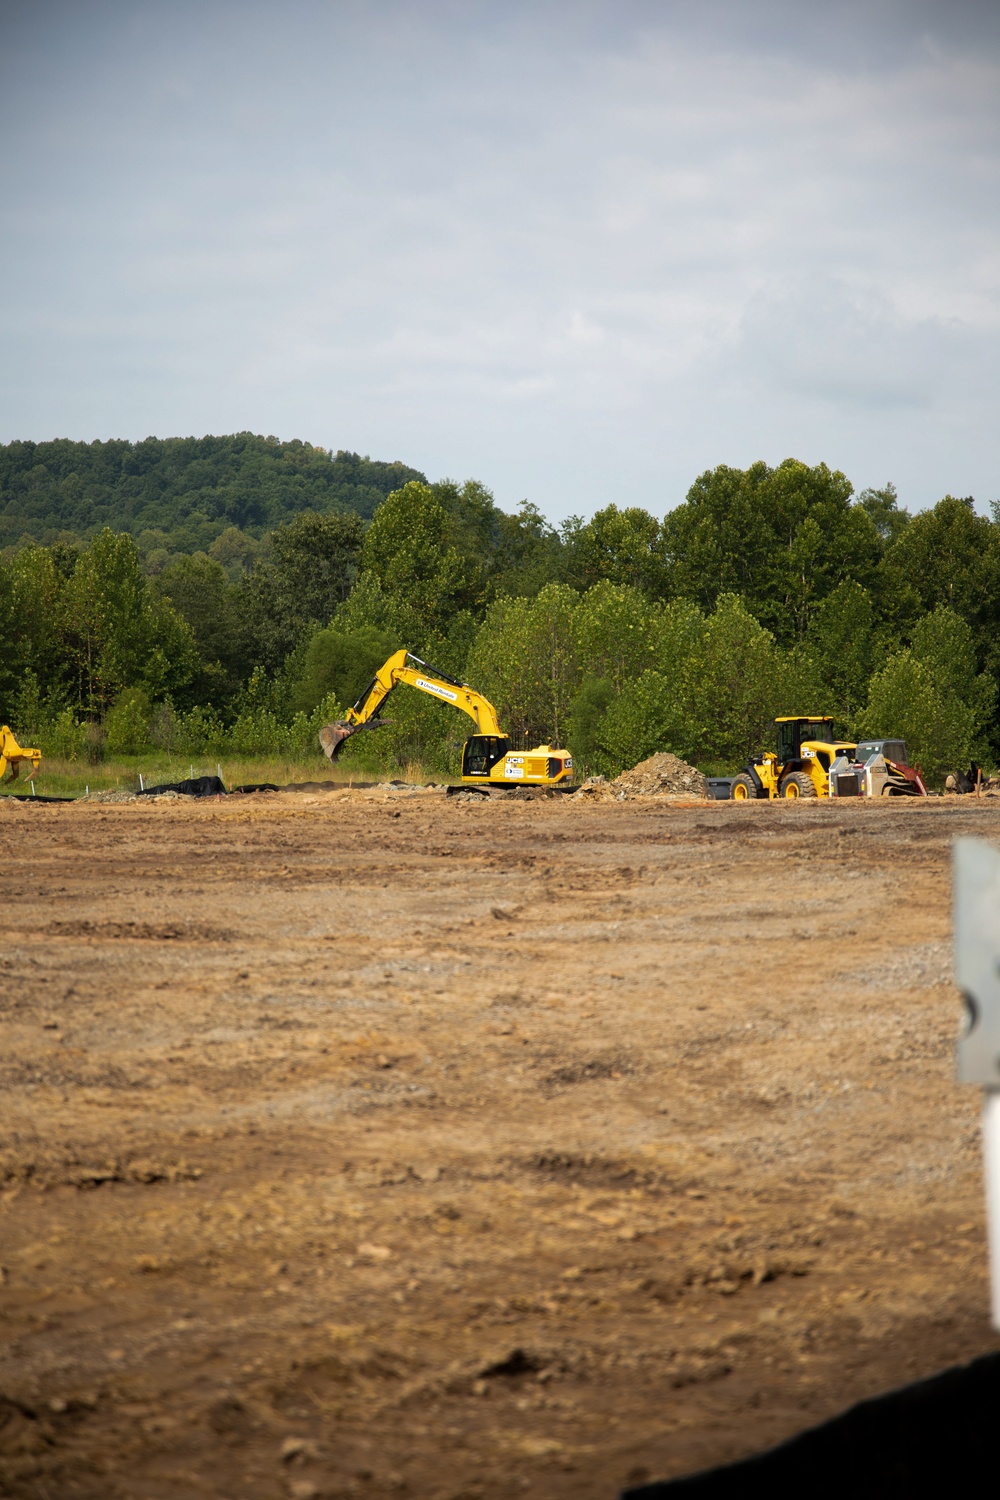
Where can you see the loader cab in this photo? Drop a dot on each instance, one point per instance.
(792, 732)
(481, 752)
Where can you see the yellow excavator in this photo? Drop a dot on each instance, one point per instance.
(12, 754)
(487, 757)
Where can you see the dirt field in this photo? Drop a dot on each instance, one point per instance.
(375, 1144)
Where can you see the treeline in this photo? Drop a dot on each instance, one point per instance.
(182, 495)
(769, 590)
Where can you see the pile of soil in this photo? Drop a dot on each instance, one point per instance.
(661, 773)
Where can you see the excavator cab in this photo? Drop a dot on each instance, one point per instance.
(481, 752)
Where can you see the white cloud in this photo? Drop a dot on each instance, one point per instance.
(582, 251)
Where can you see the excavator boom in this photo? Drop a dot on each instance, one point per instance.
(406, 668)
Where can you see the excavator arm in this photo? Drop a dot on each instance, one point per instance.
(408, 669)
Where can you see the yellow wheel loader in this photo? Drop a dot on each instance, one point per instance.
(12, 754)
(801, 765)
(487, 757)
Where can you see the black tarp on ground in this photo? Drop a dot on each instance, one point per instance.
(37, 797)
(197, 786)
(929, 1438)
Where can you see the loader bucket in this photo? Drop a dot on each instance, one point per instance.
(332, 736)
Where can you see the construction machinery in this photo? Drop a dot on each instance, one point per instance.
(12, 754)
(811, 762)
(899, 779)
(488, 759)
(801, 765)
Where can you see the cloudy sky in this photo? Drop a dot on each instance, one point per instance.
(579, 250)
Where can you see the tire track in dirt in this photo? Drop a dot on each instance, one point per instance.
(533, 1146)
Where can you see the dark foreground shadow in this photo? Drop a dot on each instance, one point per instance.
(929, 1438)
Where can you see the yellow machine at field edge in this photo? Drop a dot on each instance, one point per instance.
(12, 754)
(801, 765)
(489, 760)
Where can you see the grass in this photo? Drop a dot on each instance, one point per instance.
(72, 778)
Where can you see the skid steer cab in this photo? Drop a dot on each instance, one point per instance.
(800, 767)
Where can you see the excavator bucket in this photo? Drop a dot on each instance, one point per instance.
(332, 736)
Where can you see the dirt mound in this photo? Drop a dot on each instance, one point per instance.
(661, 773)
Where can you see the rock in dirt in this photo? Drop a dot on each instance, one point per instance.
(662, 773)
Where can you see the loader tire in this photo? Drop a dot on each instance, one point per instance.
(743, 788)
(797, 784)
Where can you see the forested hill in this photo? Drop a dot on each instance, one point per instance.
(181, 492)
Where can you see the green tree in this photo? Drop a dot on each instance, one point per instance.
(116, 635)
(656, 710)
(341, 662)
(617, 633)
(905, 701)
(190, 490)
(947, 556)
(719, 685)
(410, 553)
(586, 717)
(199, 590)
(393, 619)
(743, 680)
(781, 538)
(312, 564)
(525, 660)
(472, 528)
(126, 725)
(619, 547)
(679, 633)
(944, 644)
(884, 511)
(647, 716)
(842, 647)
(528, 554)
(31, 613)
(235, 550)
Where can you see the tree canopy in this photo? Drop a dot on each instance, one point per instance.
(782, 539)
(181, 494)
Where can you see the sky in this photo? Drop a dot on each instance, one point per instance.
(580, 251)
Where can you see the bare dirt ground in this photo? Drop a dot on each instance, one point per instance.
(376, 1144)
